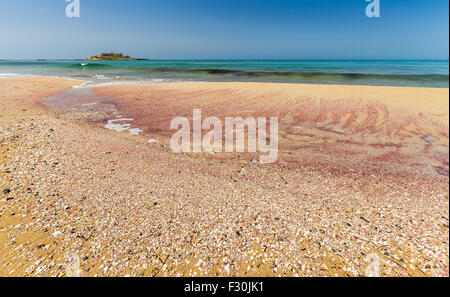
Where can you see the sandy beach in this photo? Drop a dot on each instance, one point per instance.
(362, 176)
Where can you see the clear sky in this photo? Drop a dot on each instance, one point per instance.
(226, 29)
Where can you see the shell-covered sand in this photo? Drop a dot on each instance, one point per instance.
(362, 177)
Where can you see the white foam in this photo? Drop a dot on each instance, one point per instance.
(153, 141)
(9, 75)
(83, 85)
(135, 131)
(113, 125)
(119, 126)
(92, 84)
(22, 75)
(100, 76)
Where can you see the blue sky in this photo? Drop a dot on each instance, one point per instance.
(226, 29)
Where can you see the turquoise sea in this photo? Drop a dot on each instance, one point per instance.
(356, 72)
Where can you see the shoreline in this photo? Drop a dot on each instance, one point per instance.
(163, 80)
(344, 72)
(125, 207)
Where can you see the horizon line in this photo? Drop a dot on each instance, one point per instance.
(241, 59)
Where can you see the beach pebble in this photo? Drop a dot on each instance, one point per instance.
(56, 233)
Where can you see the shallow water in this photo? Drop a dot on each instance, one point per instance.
(82, 100)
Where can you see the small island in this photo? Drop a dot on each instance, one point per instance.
(113, 57)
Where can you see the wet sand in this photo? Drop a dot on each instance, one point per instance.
(356, 128)
(362, 175)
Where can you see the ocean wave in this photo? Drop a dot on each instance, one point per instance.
(87, 65)
(294, 75)
(322, 75)
(398, 73)
(93, 84)
(9, 75)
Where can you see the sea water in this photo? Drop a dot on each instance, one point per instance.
(353, 72)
